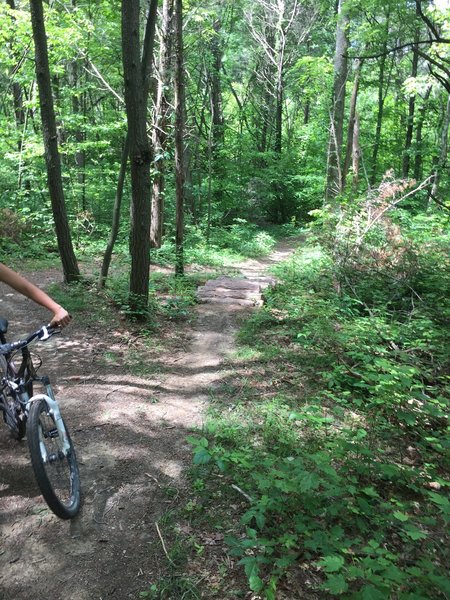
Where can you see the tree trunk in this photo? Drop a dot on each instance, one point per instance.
(356, 153)
(381, 98)
(410, 120)
(17, 91)
(78, 107)
(116, 214)
(217, 113)
(145, 69)
(162, 109)
(179, 137)
(443, 153)
(52, 158)
(351, 124)
(334, 170)
(418, 160)
(136, 76)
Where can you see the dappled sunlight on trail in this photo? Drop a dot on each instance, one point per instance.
(130, 432)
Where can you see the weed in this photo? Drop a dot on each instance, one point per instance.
(346, 481)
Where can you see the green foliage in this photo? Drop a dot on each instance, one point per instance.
(349, 478)
(239, 240)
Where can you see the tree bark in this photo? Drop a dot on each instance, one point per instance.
(146, 67)
(443, 153)
(356, 153)
(217, 119)
(52, 158)
(19, 111)
(116, 214)
(161, 123)
(381, 98)
(351, 124)
(136, 95)
(179, 137)
(418, 158)
(411, 110)
(334, 169)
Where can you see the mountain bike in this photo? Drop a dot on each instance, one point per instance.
(38, 417)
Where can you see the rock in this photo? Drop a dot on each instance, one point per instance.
(243, 291)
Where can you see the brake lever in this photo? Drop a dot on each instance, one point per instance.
(47, 331)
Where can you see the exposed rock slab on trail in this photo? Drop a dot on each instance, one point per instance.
(244, 291)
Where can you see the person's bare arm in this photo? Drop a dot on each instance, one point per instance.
(61, 317)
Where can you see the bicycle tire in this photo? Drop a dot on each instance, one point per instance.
(56, 474)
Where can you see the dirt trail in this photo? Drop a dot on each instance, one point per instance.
(130, 433)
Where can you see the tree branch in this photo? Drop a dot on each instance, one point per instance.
(401, 47)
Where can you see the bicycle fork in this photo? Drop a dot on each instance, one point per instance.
(53, 409)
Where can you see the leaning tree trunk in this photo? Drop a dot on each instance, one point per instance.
(179, 137)
(136, 79)
(116, 214)
(52, 158)
(334, 168)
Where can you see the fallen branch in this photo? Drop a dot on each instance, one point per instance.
(238, 489)
(423, 185)
(164, 545)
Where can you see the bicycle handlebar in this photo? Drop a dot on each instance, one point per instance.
(43, 333)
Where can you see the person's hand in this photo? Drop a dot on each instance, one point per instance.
(61, 318)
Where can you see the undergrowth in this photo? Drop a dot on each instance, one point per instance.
(340, 441)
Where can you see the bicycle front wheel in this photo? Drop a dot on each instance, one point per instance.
(56, 472)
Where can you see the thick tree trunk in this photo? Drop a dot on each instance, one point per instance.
(145, 70)
(334, 169)
(52, 158)
(162, 109)
(179, 137)
(136, 77)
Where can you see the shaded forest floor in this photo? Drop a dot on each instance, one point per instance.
(130, 402)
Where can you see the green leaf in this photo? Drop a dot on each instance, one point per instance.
(370, 592)
(370, 491)
(256, 583)
(400, 516)
(330, 564)
(336, 584)
(202, 457)
(309, 482)
(443, 583)
(414, 532)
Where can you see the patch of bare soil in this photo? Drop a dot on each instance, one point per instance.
(130, 435)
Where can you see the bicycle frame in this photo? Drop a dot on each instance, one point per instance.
(19, 387)
(38, 416)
